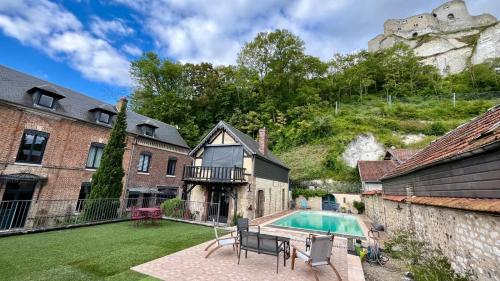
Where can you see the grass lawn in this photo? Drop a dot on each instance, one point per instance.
(104, 252)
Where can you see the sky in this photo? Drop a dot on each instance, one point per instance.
(87, 45)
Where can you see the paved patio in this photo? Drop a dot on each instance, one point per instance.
(190, 264)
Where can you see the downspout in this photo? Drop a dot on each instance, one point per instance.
(124, 191)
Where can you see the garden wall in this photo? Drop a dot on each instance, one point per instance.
(344, 199)
(470, 240)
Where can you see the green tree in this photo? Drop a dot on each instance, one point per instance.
(107, 180)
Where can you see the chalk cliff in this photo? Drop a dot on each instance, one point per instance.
(448, 37)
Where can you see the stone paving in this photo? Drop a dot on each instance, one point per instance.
(190, 264)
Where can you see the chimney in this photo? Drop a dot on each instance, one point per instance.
(263, 140)
(121, 102)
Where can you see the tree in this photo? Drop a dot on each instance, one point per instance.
(107, 180)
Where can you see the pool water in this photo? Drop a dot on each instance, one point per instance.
(336, 223)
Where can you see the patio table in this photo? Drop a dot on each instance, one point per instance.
(148, 213)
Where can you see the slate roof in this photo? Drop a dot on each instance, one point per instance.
(14, 86)
(373, 171)
(251, 145)
(480, 132)
(401, 154)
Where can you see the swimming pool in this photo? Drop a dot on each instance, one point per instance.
(319, 221)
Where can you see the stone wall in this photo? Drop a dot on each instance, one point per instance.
(470, 240)
(316, 204)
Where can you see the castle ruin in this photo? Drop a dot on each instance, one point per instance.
(448, 37)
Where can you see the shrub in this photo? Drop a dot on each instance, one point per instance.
(424, 262)
(306, 192)
(436, 129)
(173, 208)
(360, 206)
(234, 220)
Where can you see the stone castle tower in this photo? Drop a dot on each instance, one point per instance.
(448, 37)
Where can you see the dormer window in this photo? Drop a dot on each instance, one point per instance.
(45, 100)
(46, 96)
(148, 131)
(103, 114)
(104, 117)
(147, 128)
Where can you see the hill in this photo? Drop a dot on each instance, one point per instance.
(427, 118)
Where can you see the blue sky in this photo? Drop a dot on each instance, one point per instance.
(87, 45)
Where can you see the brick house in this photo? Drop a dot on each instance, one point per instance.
(238, 173)
(52, 138)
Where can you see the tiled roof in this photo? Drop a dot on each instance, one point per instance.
(402, 154)
(14, 86)
(477, 133)
(396, 198)
(371, 192)
(247, 141)
(471, 204)
(372, 171)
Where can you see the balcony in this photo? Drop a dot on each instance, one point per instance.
(208, 174)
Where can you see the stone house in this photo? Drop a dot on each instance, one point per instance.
(449, 195)
(52, 138)
(370, 172)
(240, 174)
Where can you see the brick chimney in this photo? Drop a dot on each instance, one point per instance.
(263, 140)
(121, 102)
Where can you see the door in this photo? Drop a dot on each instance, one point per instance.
(329, 203)
(15, 204)
(220, 196)
(260, 204)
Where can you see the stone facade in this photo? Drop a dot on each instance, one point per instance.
(470, 240)
(274, 192)
(453, 37)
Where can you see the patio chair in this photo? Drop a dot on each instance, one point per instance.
(244, 225)
(321, 251)
(136, 216)
(222, 242)
(261, 244)
(156, 215)
(309, 240)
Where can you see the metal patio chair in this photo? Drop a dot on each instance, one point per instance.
(321, 251)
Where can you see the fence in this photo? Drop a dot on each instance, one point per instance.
(192, 211)
(31, 215)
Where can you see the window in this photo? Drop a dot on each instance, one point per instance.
(45, 101)
(148, 131)
(451, 16)
(84, 193)
(95, 155)
(144, 162)
(172, 161)
(32, 147)
(104, 117)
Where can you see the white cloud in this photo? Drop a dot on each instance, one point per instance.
(132, 50)
(54, 30)
(215, 31)
(107, 29)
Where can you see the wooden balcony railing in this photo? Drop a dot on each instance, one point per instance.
(214, 174)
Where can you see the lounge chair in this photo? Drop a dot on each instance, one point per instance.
(321, 251)
(222, 242)
(303, 204)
